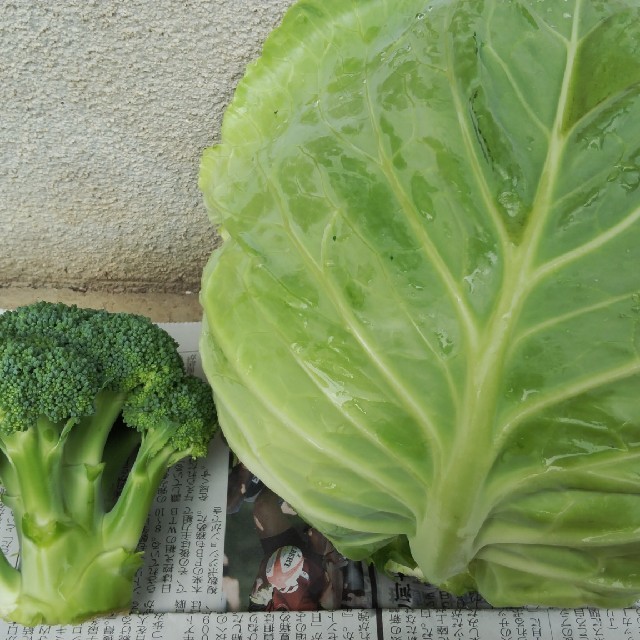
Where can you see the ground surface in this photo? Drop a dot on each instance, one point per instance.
(160, 307)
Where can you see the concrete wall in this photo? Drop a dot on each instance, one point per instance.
(105, 107)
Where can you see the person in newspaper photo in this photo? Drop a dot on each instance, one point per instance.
(299, 569)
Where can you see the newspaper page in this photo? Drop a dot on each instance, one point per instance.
(216, 542)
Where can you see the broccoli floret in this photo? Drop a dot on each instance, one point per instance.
(86, 397)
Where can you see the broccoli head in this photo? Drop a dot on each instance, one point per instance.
(87, 397)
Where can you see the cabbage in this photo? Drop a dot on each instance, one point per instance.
(423, 326)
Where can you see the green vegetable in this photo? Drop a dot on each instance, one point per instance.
(81, 392)
(423, 327)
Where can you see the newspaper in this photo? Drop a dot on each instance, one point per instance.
(212, 544)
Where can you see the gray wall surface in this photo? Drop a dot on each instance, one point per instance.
(105, 108)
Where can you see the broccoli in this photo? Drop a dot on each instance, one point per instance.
(90, 402)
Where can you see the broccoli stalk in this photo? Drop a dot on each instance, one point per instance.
(81, 393)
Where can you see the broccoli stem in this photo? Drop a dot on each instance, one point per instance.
(86, 441)
(128, 516)
(83, 464)
(52, 474)
(31, 473)
(73, 576)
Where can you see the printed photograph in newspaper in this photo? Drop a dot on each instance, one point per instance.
(274, 561)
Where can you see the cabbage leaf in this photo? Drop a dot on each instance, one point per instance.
(423, 326)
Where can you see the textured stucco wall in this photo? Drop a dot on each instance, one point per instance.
(105, 107)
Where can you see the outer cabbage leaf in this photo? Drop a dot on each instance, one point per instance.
(423, 326)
